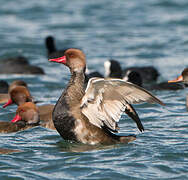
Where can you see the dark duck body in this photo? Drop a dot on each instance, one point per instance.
(18, 65)
(76, 115)
(52, 51)
(90, 75)
(113, 69)
(135, 78)
(3, 86)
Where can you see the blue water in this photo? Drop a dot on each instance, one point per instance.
(153, 32)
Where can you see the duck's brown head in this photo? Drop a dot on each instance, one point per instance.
(18, 95)
(27, 113)
(17, 83)
(73, 58)
(182, 78)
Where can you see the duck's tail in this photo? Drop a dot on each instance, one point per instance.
(120, 139)
(127, 139)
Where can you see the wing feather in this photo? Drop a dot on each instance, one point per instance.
(106, 99)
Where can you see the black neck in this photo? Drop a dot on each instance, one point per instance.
(50, 46)
(51, 49)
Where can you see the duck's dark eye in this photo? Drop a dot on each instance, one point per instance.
(71, 55)
(22, 110)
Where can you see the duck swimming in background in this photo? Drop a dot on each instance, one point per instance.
(3, 87)
(135, 78)
(52, 51)
(90, 74)
(183, 78)
(4, 97)
(18, 65)
(90, 115)
(113, 69)
(17, 83)
(20, 94)
(26, 117)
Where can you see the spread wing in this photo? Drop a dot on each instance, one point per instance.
(106, 99)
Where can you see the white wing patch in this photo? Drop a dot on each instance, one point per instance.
(105, 100)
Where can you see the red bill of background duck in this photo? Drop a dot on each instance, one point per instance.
(90, 116)
(20, 95)
(183, 78)
(27, 116)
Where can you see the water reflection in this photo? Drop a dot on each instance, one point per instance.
(8, 151)
(67, 146)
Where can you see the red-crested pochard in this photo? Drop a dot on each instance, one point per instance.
(26, 117)
(183, 78)
(17, 83)
(90, 115)
(4, 97)
(20, 95)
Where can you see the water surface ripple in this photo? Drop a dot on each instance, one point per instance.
(137, 33)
